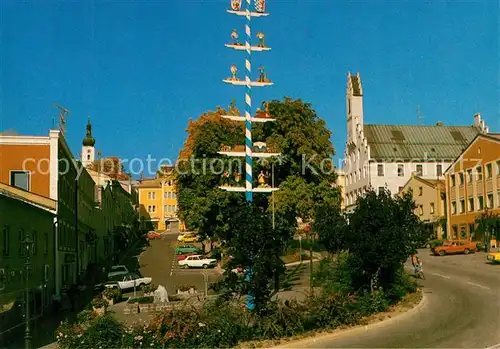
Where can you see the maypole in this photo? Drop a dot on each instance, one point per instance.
(257, 149)
(248, 105)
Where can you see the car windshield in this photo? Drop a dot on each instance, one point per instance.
(117, 268)
(116, 278)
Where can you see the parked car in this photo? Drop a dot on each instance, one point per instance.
(493, 257)
(182, 234)
(128, 281)
(189, 238)
(454, 247)
(152, 235)
(180, 257)
(118, 270)
(183, 249)
(197, 261)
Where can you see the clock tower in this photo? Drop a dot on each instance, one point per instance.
(88, 150)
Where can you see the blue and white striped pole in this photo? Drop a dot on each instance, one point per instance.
(248, 105)
(248, 128)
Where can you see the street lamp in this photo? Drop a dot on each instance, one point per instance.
(27, 243)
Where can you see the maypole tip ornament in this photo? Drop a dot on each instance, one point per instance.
(235, 5)
(260, 6)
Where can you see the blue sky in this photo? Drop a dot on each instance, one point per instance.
(141, 69)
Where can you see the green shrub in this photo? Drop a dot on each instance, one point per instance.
(113, 293)
(98, 332)
(86, 316)
(149, 288)
(401, 285)
(145, 300)
(99, 303)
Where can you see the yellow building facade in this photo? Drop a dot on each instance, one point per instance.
(158, 203)
(473, 185)
(430, 201)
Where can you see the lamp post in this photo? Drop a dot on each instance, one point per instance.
(28, 245)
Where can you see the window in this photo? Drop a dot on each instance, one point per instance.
(469, 176)
(461, 178)
(380, 170)
(490, 200)
(5, 240)
(420, 170)
(22, 249)
(154, 208)
(3, 279)
(165, 208)
(401, 170)
(420, 191)
(34, 237)
(88, 157)
(380, 190)
(489, 171)
(480, 202)
(471, 204)
(165, 195)
(453, 207)
(452, 177)
(151, 195)
(46, 270)
(439, 170)
(20, 179)
(150, 209)
(462, 206)
(479, 172)
(432, 208)
(421, 210)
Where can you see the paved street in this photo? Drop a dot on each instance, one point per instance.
(158, 262)
(461, 309)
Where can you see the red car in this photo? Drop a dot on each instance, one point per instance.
(181, 257)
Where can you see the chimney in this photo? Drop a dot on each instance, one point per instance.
(477, 119)
(439, 123)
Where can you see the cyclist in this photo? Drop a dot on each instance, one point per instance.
(417, 264)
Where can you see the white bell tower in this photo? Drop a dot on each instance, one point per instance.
(88, 149)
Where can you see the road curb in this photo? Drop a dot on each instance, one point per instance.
(357, 328)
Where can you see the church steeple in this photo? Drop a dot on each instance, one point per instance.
(89, 141)
(88, 150)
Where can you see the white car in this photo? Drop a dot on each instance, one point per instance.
(118, 270)
(128, 281)
(197, 261)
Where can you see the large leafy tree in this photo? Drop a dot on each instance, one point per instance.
(383, 231)
(331, 227)
(304, 172)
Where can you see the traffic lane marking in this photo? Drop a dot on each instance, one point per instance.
(478, 285)
(443, 276)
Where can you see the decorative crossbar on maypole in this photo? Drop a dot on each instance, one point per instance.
(250, 150)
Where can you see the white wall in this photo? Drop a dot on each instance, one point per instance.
(393, 181)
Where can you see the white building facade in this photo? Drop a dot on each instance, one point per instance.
(385, 156)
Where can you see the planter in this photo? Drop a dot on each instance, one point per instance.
(126, 310)
(192, 291)
(110, 301)
(99, 311)
(144, 308)
(159, 307)
(134, 309)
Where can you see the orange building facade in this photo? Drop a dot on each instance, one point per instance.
(473, 186)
